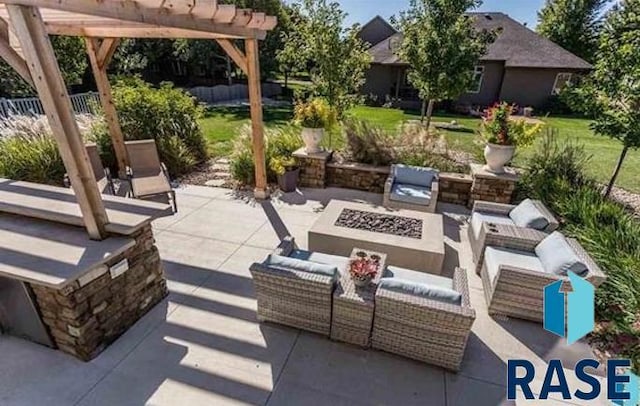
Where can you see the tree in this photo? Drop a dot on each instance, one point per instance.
(614, 87)
(573, 24)
(442, 47)
(337, 58)
(72, 58)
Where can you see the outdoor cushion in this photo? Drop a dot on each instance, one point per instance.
(413, 175)
(301, 265)
(496, 257)
(339, 262)
(527, 215)
(479, 217)
(418, 277)
(558, 257)
(412, 194)
(427, 291)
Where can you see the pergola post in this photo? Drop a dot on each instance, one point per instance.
(47, 78)
(100, 56)
(257, 124)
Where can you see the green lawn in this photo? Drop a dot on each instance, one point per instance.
(222, 125)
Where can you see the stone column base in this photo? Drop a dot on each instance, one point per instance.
(313, 168)
(491, 187)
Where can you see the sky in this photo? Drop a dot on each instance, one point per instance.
(361, 11)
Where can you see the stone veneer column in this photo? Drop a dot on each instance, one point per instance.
(313, 168)
(455, 188)
(93, 311)
(491, 187)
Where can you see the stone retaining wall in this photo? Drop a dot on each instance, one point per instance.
(88, 315)
(357, 176)
(312, 168)
(455, 188)
(491, 187)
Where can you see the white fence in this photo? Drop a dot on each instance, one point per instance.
(83, 103)
(224, 93)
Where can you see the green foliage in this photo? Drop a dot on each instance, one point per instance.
(72, 58)
(316, 113)
(499, 128)
(166, 114)
(441, 46)
(572, 24)
(280, 144)
(28, 151)
(368, 144)
(337, 58)
(605, 229)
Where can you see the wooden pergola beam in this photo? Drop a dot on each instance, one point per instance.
(234, 53)
(30, 30)
(129, 30)
(99, 67)
(257, 124)
(141, 12)
(12, 57)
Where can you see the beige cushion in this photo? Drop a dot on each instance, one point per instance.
(496, 257)
(150, 184)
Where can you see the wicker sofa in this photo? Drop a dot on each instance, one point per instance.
(514, 277)
(412, 188)
(417, 327)
(292, 297)
(491, 224)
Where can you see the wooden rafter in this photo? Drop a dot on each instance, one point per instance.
(236, 54)
(159, 13)
(29, 27)
(9, 54)
(106, 51)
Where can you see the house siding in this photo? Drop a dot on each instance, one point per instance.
(490, 88)
(380, 80)
(530, 86)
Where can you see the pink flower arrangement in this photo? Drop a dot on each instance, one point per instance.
(364, 266)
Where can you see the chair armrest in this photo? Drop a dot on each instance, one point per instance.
(461, 285)
(286, 247)
(165, 170)
(551, 219)
(535, 280)
(493, 208)
(388, 185)
(596, 276)
(508, 236)
(418, 302)
(259, 270)
(435, 187)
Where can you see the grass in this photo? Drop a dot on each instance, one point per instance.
(222, 124)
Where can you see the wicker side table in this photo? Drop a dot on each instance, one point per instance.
(352, 318)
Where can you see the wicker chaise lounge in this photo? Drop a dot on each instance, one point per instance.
(289, 295)
(498, 224)
(423, 327)
(515, 274)
(412, 188)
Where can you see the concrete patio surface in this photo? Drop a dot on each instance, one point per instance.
(204, 346)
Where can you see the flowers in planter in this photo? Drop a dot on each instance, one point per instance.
(364, 267)
(500, 128)
(282, 164)
(315, 113)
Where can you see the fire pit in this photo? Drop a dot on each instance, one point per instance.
(411, 239)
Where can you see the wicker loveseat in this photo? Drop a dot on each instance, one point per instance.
(411, 188)
(492, 224)
(290, 296)
(515, 274)
(421, 327)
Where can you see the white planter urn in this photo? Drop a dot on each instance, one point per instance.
(497, 156)
(312, 138)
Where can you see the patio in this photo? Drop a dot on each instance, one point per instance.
(203, 344)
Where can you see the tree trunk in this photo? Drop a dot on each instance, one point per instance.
(286, 79)
(424, 111)
(229, 78)
(616, 172)
(429, 114)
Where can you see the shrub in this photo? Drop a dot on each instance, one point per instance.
(498, 127)
(606, 230)
(314, 114)
(28, 151)
(166, 114)
(368, 144)
(280, 144)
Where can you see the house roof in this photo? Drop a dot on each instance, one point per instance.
(516, 45)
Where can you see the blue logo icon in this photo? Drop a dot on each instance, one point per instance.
(576, 319)
(632, 387)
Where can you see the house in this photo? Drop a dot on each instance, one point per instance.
(520, 67)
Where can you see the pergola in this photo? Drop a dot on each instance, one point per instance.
(25, 26)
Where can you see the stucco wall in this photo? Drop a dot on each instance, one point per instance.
(529, 87)
(490, 88)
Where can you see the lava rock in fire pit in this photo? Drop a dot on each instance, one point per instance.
(380, 223)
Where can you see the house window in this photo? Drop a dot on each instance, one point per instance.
(478, 75)
(562, 80)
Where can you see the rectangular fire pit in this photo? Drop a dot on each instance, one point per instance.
(411, 239)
